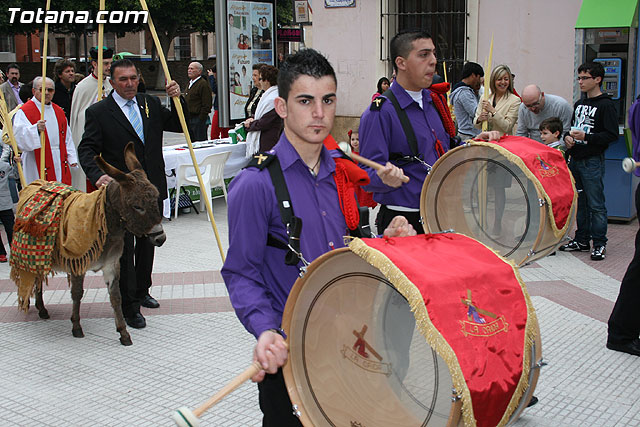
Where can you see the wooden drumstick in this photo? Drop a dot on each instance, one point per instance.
(184, 417)
(372, 164)
(629, 165)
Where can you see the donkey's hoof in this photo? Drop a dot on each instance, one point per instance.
(126, 341)
(77, 333)
(44, 314)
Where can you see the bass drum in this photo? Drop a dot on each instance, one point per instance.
(489, 193)
(356, 357)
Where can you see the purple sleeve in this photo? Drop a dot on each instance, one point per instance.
(373, 145)
(249, 215)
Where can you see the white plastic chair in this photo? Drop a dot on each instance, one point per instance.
(212, 170)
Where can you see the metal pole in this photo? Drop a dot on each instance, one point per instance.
(222, 62)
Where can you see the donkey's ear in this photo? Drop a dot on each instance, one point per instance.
(130, 158)
(112, 171)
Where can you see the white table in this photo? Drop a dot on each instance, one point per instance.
(177, 155)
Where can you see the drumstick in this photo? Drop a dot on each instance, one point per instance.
(372, 164)
(184, 417)
(629, 165)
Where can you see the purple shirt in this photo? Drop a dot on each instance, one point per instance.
(381, 133)
(256, 276)
(16, 92)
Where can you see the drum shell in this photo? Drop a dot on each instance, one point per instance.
(451, 199)
(320, 274)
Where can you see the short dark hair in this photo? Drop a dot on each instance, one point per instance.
(308, 62)
(61, 65)
(472, 68)
(382, 80)
(402, 44)
(257, 66)
(270, 74)
(121, 63)
(552, 124)
(594, 68)
(12, 65)
(25, 93)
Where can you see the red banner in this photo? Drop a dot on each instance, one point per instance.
(471, 308)
(550, 168)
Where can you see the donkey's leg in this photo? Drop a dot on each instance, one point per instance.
(111, 274)
(76, 295)
(42, 311)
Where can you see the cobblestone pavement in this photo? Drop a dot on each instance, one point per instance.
(193, 344)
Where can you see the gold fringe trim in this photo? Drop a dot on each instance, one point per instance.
(423, 321)
(435, 339)
(557, 232)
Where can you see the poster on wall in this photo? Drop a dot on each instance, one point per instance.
(250, 30)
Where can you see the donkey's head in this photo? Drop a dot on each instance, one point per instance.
(138, 198)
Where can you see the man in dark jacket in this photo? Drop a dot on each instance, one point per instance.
(198, 98)
(64, 74)
(124, 116)
(593, 128)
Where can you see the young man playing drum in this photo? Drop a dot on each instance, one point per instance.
(255, 272)
(405, 126)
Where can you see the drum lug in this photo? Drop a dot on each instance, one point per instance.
(296, 412)
(540, 364)
(531, 253)
(455, 396)
(542, 202)
(303, 269)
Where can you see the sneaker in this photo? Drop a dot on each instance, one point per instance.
(574, 245)
(598, 253)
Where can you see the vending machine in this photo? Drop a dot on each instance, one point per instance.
(607, 32)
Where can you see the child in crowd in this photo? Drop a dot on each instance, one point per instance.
(551, 133)
(364, 198)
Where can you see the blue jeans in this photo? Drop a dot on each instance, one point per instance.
(592, 212)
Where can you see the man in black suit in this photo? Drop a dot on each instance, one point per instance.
(124, 116)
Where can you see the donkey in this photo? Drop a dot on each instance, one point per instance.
(131, 204)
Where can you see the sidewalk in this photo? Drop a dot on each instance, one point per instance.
(193, 344)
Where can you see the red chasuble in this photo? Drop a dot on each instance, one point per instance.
(32, 112)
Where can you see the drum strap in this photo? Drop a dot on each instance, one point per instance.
(290, 221)
(406, 126)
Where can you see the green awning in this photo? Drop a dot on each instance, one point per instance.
(608, 14)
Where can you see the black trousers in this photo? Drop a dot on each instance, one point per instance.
(385, 215)
(624, 322)
(7, 217)
(275, 403)
(197, 129)
(136, 264)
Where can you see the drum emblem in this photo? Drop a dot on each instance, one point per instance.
(359, 356)
(477, 325)
(546, 170)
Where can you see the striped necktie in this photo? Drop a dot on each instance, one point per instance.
(134, 119)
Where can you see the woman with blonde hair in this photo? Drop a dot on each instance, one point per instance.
(500, 110)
